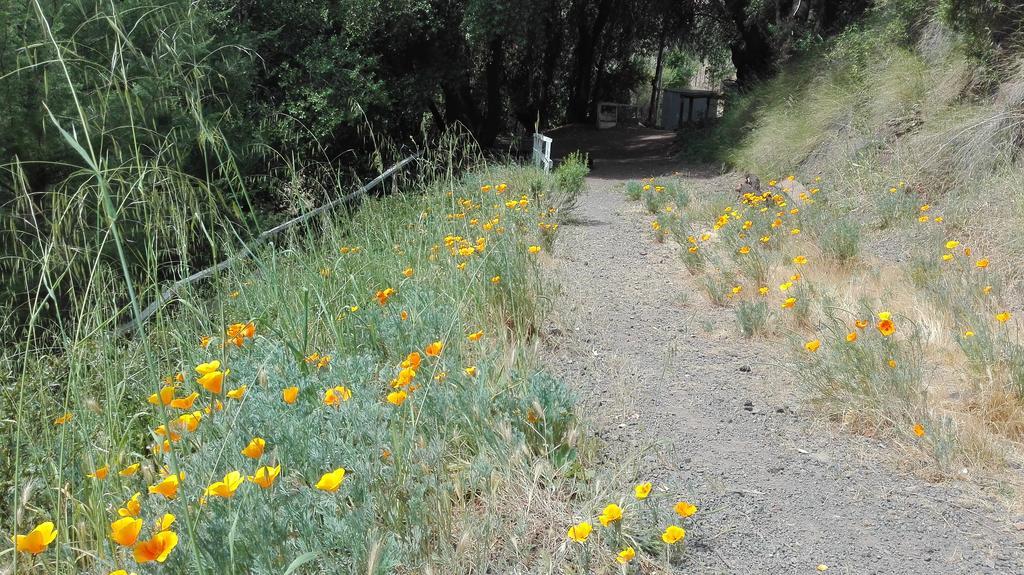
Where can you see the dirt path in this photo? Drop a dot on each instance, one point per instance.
(719, 419)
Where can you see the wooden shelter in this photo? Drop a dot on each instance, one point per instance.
(683, 107)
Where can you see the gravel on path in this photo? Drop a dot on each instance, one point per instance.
(660, 371)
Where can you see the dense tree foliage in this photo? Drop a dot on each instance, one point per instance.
(248, 108)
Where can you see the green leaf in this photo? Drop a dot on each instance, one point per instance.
(300, 561)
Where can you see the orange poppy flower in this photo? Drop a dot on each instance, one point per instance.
(289, 394)
(156, 549)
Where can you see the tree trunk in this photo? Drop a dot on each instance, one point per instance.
(752, 51)
(586, 48)
(656, 82)
(552, 56)
(492, 121)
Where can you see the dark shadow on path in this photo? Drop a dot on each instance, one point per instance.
(623, 153)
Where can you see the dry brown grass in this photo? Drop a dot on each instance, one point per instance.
(977, 418)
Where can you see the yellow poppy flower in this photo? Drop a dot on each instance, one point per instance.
(685, 509)
(129, 471)
(475, 336)
(208, 367)
(156, 549)
(852, 336)
(164, 522)
(886, 327)
(226, 487)
(408, 272)
(471, 371)
(952, 244)
(800, 260)
(744, 250)
(642, 490)
(397, 397)
(336, 395)
(434, 349)
(861, 323)
(790, 302)
(812, 345)
(131, 508)
(332, 480)
(580, 532)
(237, 393)
(99, 474)
(255, 448)
(213, 381)
(265, 476)
(982, 263)
(625, 556)
(125, 531)
(611, 514)
(1003, 317)
(918, 430)
(534, 249)
(184, 402)
(673, 534)
(164, 397)
(289, 394)
(37, 540)
(63, 419)
(384, 295)
(168, 486)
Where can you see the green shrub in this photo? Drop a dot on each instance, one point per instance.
(570, 179)
(880, 377)
(718, 287)
(634, 190)
(682, 197)
(693, 259)
(653, 200)
(839, 239)
(448, 456)
(897, 207)
(753, 317)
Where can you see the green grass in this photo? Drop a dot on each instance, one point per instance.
(306, 296)
(479, 446)
(753, 317)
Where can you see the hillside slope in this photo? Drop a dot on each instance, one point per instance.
(896, 160)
